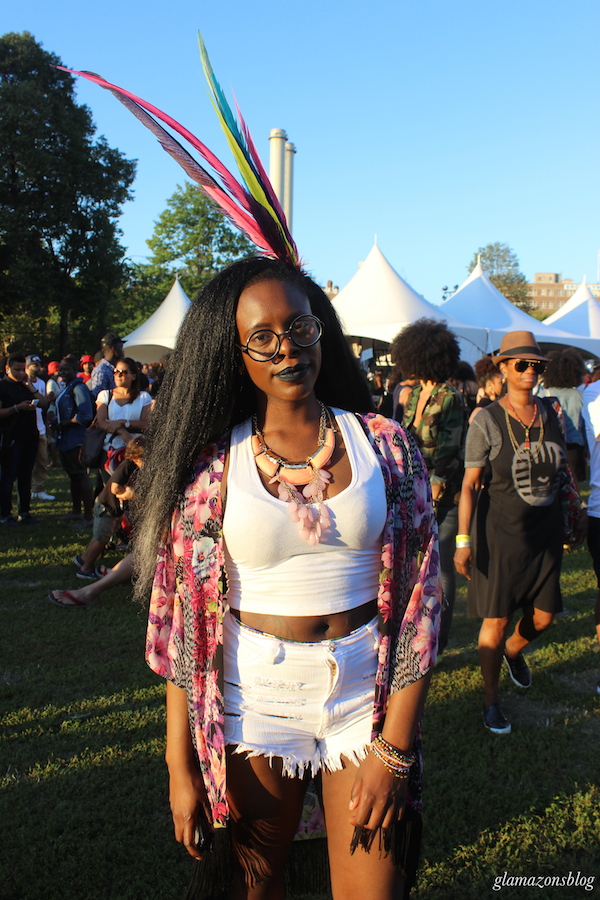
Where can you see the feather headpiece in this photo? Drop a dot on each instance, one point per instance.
(251, 206)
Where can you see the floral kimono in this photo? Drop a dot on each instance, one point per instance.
(184, 639)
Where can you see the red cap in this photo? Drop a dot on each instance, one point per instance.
(86, 358)
(53, 367)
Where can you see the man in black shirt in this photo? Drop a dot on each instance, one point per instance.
(18, 439)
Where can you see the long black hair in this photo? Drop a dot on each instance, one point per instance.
(205, 393)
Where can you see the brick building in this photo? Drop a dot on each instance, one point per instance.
(549, 291)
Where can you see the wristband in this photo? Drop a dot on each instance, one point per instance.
(460, 545)
(463, 537)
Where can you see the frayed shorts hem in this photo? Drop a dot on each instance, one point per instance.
(308, 705)
(294, 767)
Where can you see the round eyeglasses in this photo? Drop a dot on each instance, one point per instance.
(538, 366)
(264, 344)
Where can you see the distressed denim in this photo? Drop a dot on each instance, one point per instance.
(308, 703)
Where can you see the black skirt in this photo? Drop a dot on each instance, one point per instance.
(518, 531)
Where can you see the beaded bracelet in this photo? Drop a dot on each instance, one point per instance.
(406, 758)
(395, 761)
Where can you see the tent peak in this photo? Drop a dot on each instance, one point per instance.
(476, 273)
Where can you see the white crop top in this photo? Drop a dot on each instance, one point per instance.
(270, 569)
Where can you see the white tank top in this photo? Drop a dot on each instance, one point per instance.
(270, 569)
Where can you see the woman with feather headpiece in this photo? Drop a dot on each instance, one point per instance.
(295, 603)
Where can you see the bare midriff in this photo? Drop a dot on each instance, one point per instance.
(310, 628)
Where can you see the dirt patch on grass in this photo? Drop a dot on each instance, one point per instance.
(580, 683)
(525, 712)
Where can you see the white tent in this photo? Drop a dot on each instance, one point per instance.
(580, 314)
(479, 303)
(377, 303)
(158, 334)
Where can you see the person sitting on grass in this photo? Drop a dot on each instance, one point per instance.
(110, 507)
(86, 595)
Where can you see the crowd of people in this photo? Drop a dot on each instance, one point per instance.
(46, 409)
(287, 537)
(505, 446)
(481, 479)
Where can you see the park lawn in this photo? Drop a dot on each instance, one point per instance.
(84, 795)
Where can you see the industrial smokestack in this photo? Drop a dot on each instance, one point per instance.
(288, 182)
(277, 139)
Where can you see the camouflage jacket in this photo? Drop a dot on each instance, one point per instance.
(440, 435)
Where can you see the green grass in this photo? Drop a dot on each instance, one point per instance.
(83, 797)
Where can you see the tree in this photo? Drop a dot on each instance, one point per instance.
(61, 193)
(501, 265)
(540, 314)
(193, 239)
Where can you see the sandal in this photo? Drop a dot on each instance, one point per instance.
(102, 571)
(59, 597)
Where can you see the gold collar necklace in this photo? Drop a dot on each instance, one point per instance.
(307, 507)
(295, 473)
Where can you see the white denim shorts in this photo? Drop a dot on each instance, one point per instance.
(308, 703)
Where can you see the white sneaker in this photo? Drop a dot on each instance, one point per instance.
(42, 495)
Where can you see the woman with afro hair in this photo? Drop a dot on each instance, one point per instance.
(436, 415)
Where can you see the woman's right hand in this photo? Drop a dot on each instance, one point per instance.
(462, 561)
(189, 808)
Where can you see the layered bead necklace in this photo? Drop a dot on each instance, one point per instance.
(529, 451)
(305, 507)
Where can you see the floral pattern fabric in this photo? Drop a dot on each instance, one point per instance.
(184, 638)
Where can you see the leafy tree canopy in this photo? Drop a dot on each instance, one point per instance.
(61, 193)
(193, 239)
(540, 314)
(501, 265)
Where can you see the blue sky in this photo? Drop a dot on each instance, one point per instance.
(438, 126)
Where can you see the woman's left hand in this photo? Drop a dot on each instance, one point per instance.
(377, 798)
